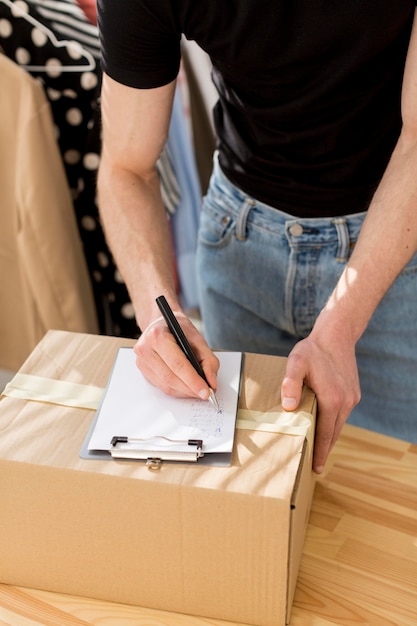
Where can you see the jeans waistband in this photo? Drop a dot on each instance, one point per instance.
(299, 231)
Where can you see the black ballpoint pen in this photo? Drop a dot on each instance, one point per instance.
(183, 343)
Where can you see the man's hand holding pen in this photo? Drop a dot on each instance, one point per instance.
(164, 364)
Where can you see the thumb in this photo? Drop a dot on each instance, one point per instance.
(291, 387)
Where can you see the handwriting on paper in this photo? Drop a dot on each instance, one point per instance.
(206, 419)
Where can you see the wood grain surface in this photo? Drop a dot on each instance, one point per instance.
(359, 563)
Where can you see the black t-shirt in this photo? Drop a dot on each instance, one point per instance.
(309, 90)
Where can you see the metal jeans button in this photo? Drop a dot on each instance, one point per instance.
(296, 230)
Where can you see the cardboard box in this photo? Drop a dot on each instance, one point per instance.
(216, 542)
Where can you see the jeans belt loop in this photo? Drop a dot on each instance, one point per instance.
(242, 219)
(343, 237)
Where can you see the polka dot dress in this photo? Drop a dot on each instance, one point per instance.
(74, 98)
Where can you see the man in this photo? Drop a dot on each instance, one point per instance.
(311, 138)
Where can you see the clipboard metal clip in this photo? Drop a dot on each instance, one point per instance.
(153, 464)
(170, 450)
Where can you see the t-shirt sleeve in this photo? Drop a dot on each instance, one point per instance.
(140, 42)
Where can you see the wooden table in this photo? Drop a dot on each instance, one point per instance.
(359, 564)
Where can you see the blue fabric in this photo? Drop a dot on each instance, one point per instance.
(186, 217)
(264, 277)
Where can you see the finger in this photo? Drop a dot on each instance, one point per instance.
(164, 365)
(292, 384)
(330, 421)
(206, 358)
(323, 443)
(176, 376)
(334, 408)
(210, 364)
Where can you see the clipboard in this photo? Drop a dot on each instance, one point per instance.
(137, 421)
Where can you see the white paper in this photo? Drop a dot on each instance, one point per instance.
(134, 408)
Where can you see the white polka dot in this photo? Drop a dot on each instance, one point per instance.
(53, 94)
(80, 184)
(19, 7)
(111, 297)
(74, 117)
(74, 50)
(5, 28)
(53, 67)
(127, 311)
(88, 80)
(70, 93)
(22, 56)
(88, 222)
(72, 157)
(91, 161)
(39, 38)
(103, 259)
(97, 277)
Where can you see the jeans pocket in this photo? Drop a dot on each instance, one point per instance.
(217, 221)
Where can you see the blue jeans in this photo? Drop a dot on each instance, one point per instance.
(264, 276)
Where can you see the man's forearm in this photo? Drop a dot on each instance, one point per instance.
(135, 130)
(137, 231)
(386, 244)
